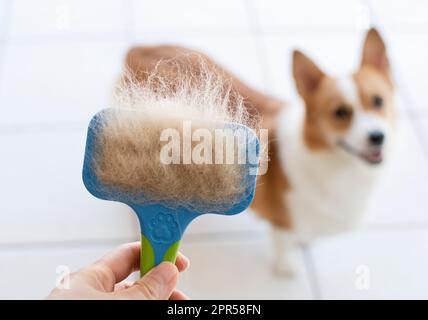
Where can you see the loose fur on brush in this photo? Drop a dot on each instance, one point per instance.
(129, 144)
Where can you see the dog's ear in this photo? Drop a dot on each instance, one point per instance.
(306, 74)
(374, 53)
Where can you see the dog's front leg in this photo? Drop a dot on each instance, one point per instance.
(285, 251)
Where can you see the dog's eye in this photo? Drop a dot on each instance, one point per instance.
(377, 101)
(342, 112)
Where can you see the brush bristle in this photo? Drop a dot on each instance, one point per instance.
(128, 156)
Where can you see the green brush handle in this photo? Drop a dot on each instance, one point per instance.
(147, 255)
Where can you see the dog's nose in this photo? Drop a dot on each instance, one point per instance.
(376, 138)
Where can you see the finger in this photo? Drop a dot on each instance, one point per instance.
(116, 265)
(178, 295)
(182, 262)
(157, 284)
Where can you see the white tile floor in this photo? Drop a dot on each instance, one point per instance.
(58, 61)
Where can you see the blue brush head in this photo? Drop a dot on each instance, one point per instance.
(163, 218)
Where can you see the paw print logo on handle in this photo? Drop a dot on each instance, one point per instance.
(164, 227)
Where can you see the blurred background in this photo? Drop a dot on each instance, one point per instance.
(58, 62)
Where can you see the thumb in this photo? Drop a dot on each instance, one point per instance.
(157, 284)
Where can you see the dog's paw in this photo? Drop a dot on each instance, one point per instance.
(284, 267)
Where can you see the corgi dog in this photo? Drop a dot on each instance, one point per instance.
(325, 152)
(329, 151)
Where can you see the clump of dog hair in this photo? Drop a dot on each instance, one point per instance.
(128, 158)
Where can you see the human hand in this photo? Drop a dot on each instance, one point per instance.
(104, 278)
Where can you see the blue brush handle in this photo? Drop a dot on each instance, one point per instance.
(161, 231)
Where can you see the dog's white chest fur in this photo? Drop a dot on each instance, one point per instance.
(329, 190)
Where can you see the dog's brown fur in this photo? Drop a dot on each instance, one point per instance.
(142, 60)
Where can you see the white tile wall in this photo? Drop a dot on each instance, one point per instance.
(43, 197)
(307, 14)
(4, 18)
(409, 51)
(4, 12)
(405, 15)
(172, 17)
(57, 82)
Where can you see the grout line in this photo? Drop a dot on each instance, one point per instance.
(42, 128)
(131, 22)
(69, 37)
(189, 239)
(311, 271)
(47, 245)
(98, 37)
(198, 238)
(399, 226)
(229, 235)
(313, 30)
